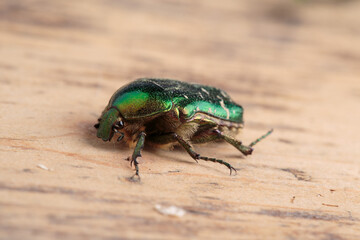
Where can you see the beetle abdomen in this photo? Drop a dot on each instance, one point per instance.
(208, 119)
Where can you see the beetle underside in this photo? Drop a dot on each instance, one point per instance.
(166, 131)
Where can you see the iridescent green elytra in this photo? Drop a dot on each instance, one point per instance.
(168, 112)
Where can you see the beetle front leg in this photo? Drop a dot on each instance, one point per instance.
(137, 153)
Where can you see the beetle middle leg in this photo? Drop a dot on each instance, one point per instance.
(173, 137)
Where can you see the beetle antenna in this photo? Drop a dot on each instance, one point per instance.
(261, 138)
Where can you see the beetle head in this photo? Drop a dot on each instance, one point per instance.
(109, 123)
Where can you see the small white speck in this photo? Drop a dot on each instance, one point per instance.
(226, 109)
(204, 90)
(186, 97)
(156, 84)
(223, 93)
(170, 210)
(233, 111)
(44, 167)
(197, 109)
(209, 111)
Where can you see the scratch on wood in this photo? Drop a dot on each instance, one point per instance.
(305, 215)
(300, 175)
(330, 205)
(41, 189)
(287, 141)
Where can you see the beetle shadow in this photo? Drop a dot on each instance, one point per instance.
(176, 153)
(178, 149)
(179, 155)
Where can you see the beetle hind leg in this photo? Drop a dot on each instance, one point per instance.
(246, 150)
(261, 138)
(216, 134)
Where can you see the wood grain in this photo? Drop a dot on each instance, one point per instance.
(293, 65)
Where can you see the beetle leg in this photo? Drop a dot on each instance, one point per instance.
(173, 137)
(261, 138)
(236, 143)
(197, 156)
(137, 153)
(246, 150)
(120, 137)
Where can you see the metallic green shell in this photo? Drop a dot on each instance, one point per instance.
(150, 96)
(140, 99)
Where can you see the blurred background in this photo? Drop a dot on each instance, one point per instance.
(294, 65)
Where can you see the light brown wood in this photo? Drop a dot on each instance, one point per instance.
(293, 65)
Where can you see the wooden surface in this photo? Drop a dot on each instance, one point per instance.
(293, 65)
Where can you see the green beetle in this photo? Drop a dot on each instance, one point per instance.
(169, 112)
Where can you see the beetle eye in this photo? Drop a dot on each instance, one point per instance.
(97, 125)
